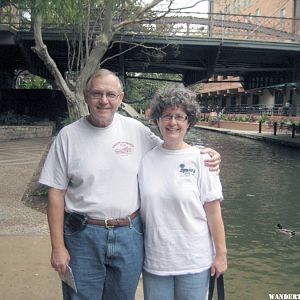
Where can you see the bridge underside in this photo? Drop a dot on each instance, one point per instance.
(257, 63)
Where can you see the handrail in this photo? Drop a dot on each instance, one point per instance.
(260, 109)
(200, 25)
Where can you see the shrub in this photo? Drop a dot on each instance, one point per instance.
(11, 118)
(265, 119)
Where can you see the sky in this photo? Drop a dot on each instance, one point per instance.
(201, 7)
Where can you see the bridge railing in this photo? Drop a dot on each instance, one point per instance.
(188, 24)
(251, 27)
(259, 109)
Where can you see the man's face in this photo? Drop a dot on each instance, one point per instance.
(103, 100)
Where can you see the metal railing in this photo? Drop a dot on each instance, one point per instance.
(188, 24)
(269, 110)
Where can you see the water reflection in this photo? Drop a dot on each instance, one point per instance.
(261, 188)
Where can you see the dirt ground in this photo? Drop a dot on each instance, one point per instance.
(26, 273)
(25, 270)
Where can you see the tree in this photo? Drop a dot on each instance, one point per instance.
(96, 22)
(29, 81)
(141, 91)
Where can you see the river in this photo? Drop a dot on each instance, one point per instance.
(261, 185)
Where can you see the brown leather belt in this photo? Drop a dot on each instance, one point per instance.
(111, 223)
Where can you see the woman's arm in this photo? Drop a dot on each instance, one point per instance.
(216, 226)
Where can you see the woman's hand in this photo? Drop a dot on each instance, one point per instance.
(219, 265)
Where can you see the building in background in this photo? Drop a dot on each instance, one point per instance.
(270, 21)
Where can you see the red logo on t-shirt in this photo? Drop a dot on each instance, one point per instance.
(123, 148)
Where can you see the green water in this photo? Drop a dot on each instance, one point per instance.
(261, 184)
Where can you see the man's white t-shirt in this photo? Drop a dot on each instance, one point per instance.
(174, 185)
(98, 166)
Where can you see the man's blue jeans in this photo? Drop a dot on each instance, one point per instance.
(106, 263)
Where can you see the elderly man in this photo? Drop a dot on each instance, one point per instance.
(93, 201)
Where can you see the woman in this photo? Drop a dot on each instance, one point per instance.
(180, 207)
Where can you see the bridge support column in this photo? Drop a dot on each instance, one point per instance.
(122, 72)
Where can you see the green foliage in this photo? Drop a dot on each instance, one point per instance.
(140, 91)
(265, 119)
(239, 118)
(42, 191)
(76, 12)
(34, 82)
(229, 117)
(247, 118)
(11, 118)
(67, 121)
(60, 12)
(88, 26)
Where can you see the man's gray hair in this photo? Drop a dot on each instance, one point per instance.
(101, 73)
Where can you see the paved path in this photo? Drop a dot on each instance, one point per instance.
(18, 162)
(25, 271)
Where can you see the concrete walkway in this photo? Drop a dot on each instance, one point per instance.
(24, 238)
(25, 271)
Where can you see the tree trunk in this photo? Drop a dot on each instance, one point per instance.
(74, 96)
(77, 107)
(75, 100)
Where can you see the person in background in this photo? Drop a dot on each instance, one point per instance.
(180, 206)
(93, 201)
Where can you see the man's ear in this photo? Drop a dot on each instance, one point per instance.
(121, 96)
(85, 95)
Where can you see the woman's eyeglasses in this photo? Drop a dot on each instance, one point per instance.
(178, 118)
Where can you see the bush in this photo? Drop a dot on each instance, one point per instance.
(10, 118)
(265, 119)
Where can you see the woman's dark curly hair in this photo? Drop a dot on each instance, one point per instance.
(173, 96)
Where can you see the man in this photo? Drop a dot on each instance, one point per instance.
(93, 201)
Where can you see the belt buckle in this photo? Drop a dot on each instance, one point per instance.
(106, 224)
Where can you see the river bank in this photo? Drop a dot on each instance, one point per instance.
(282, 138)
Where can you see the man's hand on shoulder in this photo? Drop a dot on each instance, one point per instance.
(215, 159)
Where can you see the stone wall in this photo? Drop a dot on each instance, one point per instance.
(25, 132)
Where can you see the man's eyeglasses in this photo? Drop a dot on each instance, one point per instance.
(178, 118)
(100, 95)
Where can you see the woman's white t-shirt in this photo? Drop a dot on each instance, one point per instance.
(174, 185)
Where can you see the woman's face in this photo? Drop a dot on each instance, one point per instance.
(173, 125)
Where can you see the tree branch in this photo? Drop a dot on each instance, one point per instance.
(187, 7)
(101, 44)
(41, 50)
(87, 48)
(148, 7)
(135, 45)
(145, 9)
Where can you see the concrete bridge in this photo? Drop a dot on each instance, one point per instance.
(218, 44)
